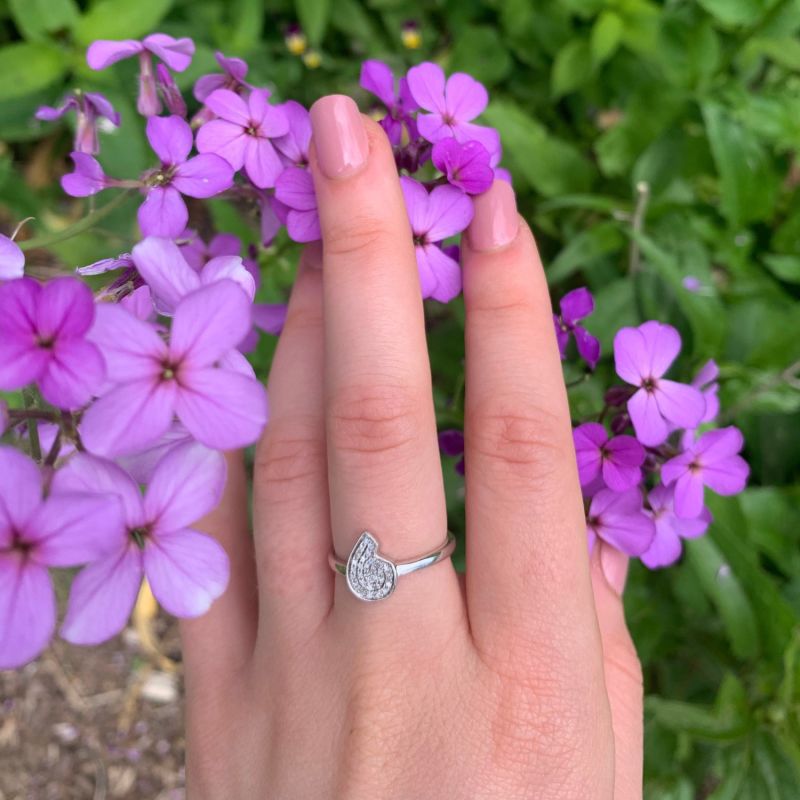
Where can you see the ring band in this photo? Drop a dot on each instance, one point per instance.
(371, 576)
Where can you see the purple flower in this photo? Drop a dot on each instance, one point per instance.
(713, 461)
(465, 165)
(170, 278)
(197, 252)
(164, 212)
(12, 259)
(452, 106)
(88, 177)
(152, 380)
(444, 212)
(293, 146)
(186, 570)
(619, 519)
(175, 53)
(642, 355)
(43, 338)
(378, 79)
(65, 530)
(123, 260)
(666, 547)
(242, 134)
(575, 306)
(171, 94)
(89, 107)
(451, 443)
(234, 72)
(618, 460)
(270, 317)
(706, 382)
(294, 189)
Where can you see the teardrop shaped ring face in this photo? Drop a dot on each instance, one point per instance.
(369, 576)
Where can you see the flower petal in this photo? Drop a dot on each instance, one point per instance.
(630, 355)
(261, 162)
(662, 344)
(161, 263)
(294, 187)
(20, 491)
(689, 495)
(576, 305)
(465, 98)
(171, 139)
(649, 425)
(131, 348)
(87, 179)
(728, 476)
(73, 375)
(222, 409)
(27, 610)
(209, 322)
(303, 226)
(719, 444)
(187, 483)
(102, 597)
(426, 82)
(203, 176)
(439, 275)
(377, 78)
(449, 212)
(128, 418)
(228, 106)
(12, 259)
(229, 268)
(104, 52)
(433, 128)
(187, 571)
(175, 53)
(270, 317)
(681, 404)
(72, 528)
(665, 549)
(224, 139)
(65, 308)
(163, 213)
(588, 346)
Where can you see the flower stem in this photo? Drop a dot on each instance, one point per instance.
(89, 221)
(29, 398)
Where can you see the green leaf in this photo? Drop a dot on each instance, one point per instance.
(748, 184)
(696, 720)
(481, 52)
(120, 19)
(550, 165)
(26, 67)
(572, 68)
(723, 588)
(314, 16)
(583, 251)
(735, 12)
(606, 36)
(36, 18)
(787, 268)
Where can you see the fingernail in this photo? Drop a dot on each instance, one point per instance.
(615, 567)
(496, 221)
(339, 136)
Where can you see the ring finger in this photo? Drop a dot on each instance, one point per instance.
(384, 471)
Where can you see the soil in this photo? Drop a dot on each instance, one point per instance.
(95, 723)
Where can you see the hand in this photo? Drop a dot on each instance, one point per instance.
(519, 681)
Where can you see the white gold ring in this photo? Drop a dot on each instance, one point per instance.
(371, 576)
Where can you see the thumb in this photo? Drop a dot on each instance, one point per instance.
(623, 673)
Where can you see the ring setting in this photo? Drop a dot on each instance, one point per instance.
(371, 576)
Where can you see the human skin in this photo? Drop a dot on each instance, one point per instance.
(518, 679)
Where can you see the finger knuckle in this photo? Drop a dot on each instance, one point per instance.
(515, 439)
(359, 233)
(288, 457)
(374, 420)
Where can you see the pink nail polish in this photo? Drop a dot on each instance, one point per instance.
(496, 221)
(615, 567)
(339, 136)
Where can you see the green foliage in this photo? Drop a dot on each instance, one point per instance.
(683, 115)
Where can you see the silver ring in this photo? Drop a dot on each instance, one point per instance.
(371, 576)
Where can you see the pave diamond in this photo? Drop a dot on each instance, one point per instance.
(369, 576)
